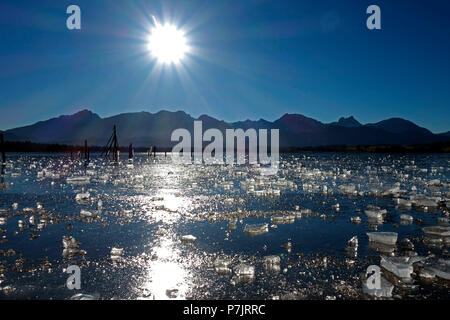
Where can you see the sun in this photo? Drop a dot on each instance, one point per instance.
(167, 43)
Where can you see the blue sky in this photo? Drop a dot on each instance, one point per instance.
(250, 59)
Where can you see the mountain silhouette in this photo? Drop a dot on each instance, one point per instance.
(349, 122)
(145, 129)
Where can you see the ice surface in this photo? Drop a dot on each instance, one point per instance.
(136, 202)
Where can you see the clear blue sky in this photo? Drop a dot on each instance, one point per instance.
(250, 59)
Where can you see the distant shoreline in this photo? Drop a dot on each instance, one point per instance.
(437, 147)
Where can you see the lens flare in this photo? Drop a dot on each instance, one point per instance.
(167, 43)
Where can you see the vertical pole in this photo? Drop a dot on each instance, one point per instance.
(86, 156)
(116, 148)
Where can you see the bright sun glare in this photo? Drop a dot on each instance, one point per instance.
(167, 43)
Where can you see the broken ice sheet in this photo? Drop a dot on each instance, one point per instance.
(309, 187)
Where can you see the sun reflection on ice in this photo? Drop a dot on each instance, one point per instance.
(167, 278)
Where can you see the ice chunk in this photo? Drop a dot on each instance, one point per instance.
(355, 220)
(222, 266)
(2, 221)
(82, 196)
(78, 180)
(389, 238)
(188, 238)
(404, 203)
(426, 273)
(222, 262)
(283, 219)
(256, 229)
(348, 189)
(172, 293)
(223, 270)
(422, 201)
(86, 214)
(393, 192)
(83, 296)
(375, 213)
(433, 242)
(117, 251)
(244, 270)
(399, 266)
(116, 254)
(69, 242)
(441, 268)
(442, 221)
(438, 231)
(271, 260)
(272, 263)
(353, 242)
(70, 252)
(244, 273)
(434, 183)
(406, 217)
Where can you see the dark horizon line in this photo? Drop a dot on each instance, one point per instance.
(33, 147)
(232, 122)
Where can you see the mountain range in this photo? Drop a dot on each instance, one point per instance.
(145, 129)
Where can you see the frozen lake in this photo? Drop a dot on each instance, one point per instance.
(305, 215)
